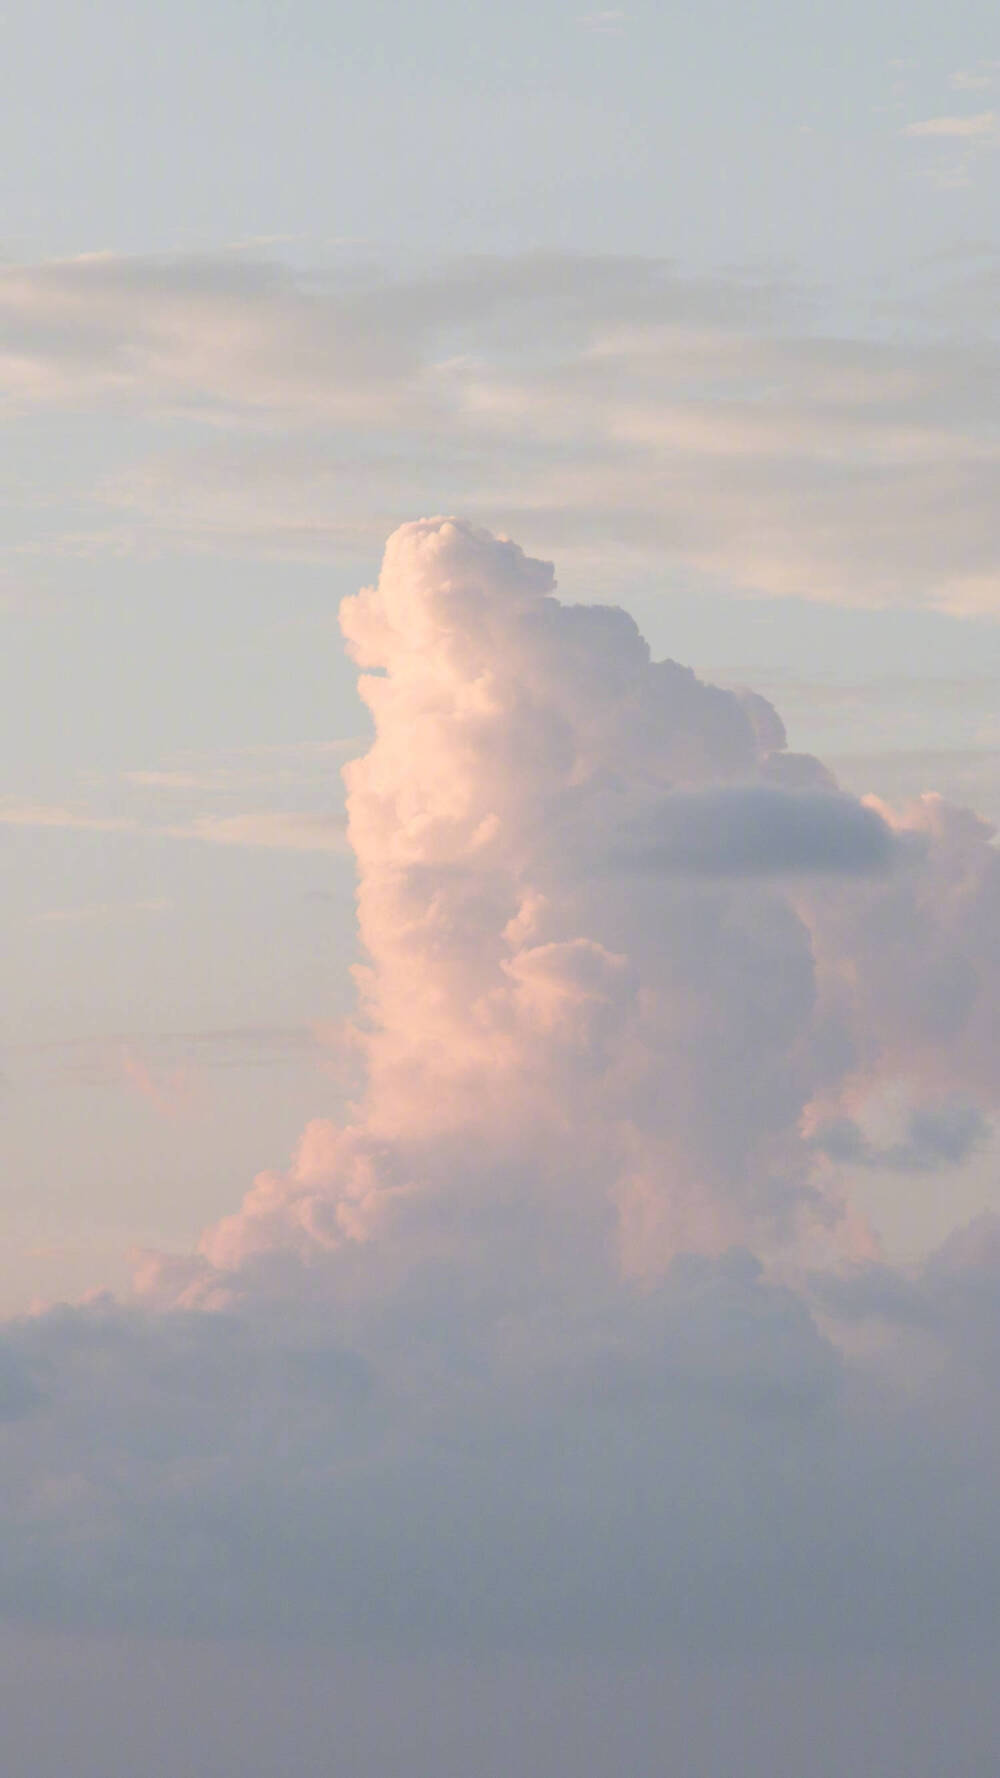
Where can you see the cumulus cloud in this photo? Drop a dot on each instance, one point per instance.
(610, 921)
(556, 1336)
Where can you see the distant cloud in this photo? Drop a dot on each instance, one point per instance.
(983, 126)
(100, 911)
(18, 814)
(284, 830)
(966, 135)
(97, 1061)
(281, 829)
(609, 23)
(171, 1093)
(981, 78)
(710, 426)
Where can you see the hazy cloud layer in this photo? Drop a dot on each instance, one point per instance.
(715, 425)
(569, 1334)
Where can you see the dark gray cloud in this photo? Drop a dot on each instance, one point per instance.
(760, 830)
(19, 1390)
(936, 1136)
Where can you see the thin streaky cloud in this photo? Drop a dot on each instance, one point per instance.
(981, 126)
(610, 24)
(14, 814)
(981, 78)
(710, 425)
(279, 829)
(101, 911)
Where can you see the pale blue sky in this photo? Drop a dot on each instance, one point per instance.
(714, 133)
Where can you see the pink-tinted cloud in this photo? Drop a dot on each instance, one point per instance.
(171, 1091)
(624, 953)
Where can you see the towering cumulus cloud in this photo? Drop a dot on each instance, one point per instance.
(608, 921)
(510, 1343)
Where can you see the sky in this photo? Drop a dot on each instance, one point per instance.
(498, 1069)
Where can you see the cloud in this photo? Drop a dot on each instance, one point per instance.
(970, 132)
(174, 1056)
(714, 425)
(100, 911)
(761, 831)
(290, 830)
(607, 24)
(17, 814)
(170, 1093)
(567, 1336)
(703, 1473)
(979, 126)
(936, 1136)
(978, 79)
(600, 891)
(19, 1393)
(281, 829)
